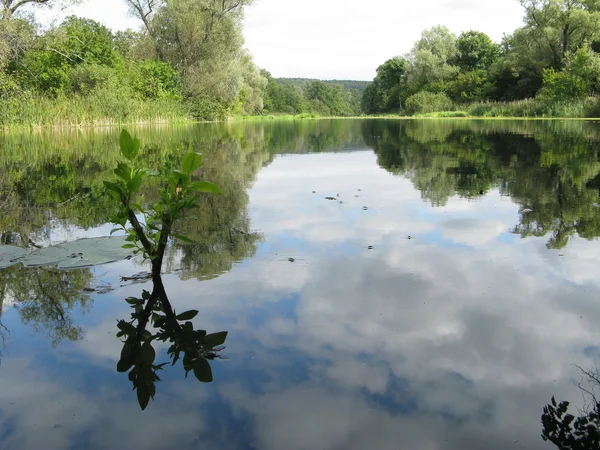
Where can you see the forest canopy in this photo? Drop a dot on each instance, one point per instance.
(553, 57)
(187, 61)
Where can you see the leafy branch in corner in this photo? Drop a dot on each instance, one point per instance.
(568, 432)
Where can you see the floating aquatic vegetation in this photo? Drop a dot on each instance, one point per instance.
(86, 252)
(10, 255)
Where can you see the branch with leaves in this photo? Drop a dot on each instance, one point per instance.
(149, 235)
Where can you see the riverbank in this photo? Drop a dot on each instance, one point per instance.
(78, 112)
(91, 111)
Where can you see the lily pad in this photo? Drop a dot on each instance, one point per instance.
(47, 256)
(81, 253)
(94, 251)
(10, 255)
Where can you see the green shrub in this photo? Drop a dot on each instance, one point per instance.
(470, 86)
(427, 102)
(206, 108)
(155, 79)
(563, 86)
(85, 78)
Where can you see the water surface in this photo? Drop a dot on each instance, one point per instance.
(436, 300)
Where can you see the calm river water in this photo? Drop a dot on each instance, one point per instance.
(385, 285)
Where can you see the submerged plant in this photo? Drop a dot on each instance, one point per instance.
(148, 233)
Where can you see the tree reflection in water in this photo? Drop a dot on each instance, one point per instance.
(46, 297)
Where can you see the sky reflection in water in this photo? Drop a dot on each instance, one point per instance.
(398, 326)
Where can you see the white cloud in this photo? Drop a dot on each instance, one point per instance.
(349, 39)
(471, 231)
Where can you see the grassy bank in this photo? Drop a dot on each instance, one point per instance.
(95, 110)
(106, 110)
(529, 108)
(577, 108)
(279, 117)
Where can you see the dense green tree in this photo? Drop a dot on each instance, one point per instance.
(579, 78)
(561, 26)
(556, 49)
(386, 92)
(203, 39)
(476, 51)
(46, 66)
(431, 61)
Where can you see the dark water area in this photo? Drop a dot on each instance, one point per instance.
(385, 284)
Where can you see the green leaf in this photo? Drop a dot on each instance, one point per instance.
(134, 301)
(124, 365)
(179, 175)
(202, 370)
(143, 395)
(126, 360)
(147, 353)
(127, 145)
(123, 171)
(134, 184)
(114, 189)
(188, 315)
(205, 186)
(191, 162)
(215, 339)
(126, 327)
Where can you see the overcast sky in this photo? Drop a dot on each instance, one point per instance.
(341, 39)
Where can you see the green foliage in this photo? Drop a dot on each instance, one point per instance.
(586, 107)
(557, 28)
(577, 80)
(386, 92)
(568, 432)
(86, 78)
(476, 51)
(563, 86)
(154, 79)
(120, 74)
(431, 59)
(84, 41)
(427, 102)
(551, 55)
(445, 114)
(301, 96)
(470, 87)
(150, 237)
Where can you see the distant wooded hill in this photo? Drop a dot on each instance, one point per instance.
(305, 95)
(346, 84)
